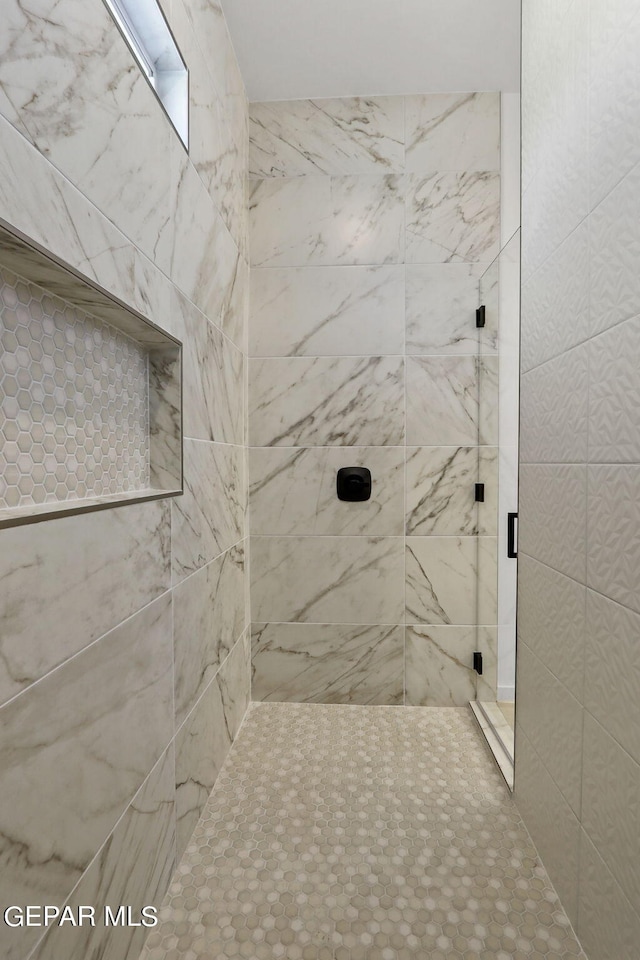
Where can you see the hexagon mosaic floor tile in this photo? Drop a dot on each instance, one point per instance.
(360, 833)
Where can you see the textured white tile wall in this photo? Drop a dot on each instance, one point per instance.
(578, 737)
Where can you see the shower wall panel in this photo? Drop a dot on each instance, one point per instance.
(124, 653)
(372, 221)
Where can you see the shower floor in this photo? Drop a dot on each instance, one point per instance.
(360, 833)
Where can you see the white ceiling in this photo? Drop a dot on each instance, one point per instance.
(299, 49)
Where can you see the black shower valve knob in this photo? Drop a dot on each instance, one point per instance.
(353, 484)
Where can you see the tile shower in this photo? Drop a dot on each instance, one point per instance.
(371, 223)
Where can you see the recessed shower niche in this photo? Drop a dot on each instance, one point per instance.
(90, 393)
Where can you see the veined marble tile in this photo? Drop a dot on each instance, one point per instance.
(133, 867)
(66, 582)
(439, 665)
(350, 135)
(209, 517)
(326, 401)
(293, 491)
(440, 497)
(451, 580)
(320, 663)
(327, 579)
(40, 202)
(213, 378)
(452, 131)
(204, 739)
(327, 311)
(441, 302)
(203, 256)
(326, 220)
(208, 618)
(452, 400)
(74, 750)
(452, 217)
(90, 111)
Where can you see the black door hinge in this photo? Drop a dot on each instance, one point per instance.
(480, 316)
(477, 662)
(479, 492)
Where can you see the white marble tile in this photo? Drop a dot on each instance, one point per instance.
(204, 739)
(452, 401)
(42, 204)
(89, 109)
(320, 663)
(208, 618)
(66, 582)
(452, 217)
(327, 579)
(441, 302)
(451, 580)
(75, 749)
(293, 492)
(212, 376)
(327, 311)
(320, 221)
(439, 665)
(440, 498)
(326, 401)
(350, 135)
(203, 259)
(209, 517)
(133, 867)
(452, 131)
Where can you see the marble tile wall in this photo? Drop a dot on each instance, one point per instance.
(372, 221)
(577, 776)
(124, 642)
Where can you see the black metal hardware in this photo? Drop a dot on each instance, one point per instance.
(477, 662)
(481, 316)
(512, 551)
(353, 483)
(479, 492)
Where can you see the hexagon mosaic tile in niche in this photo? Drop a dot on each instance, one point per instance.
(74, 401)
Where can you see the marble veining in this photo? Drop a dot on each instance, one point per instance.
(327, 311)
(451, 580)
(129, 568)
(452, 131)
(351, 135)
(327, 579)
(326, 220)
(439, 665)
(70, 777)
(441, 301)
(327, 663)
(440, 498)
(452, 217)
(452, 400)
(326, 401)
(209, 616)
(293, 491)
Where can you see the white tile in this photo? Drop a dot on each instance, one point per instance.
(613, 559)
(553, 410)
(441, 491)
(327, 311)
(552, 526)
(446, 403)
(320, 663)
(293, 492)
(326, 401)
(350, 135)
(441, 310)
(327, 220)
(614, 394)
(452, 131)
(608, 925)
(452, 217)
(439, 665)
(443, 583)
(327, 579)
